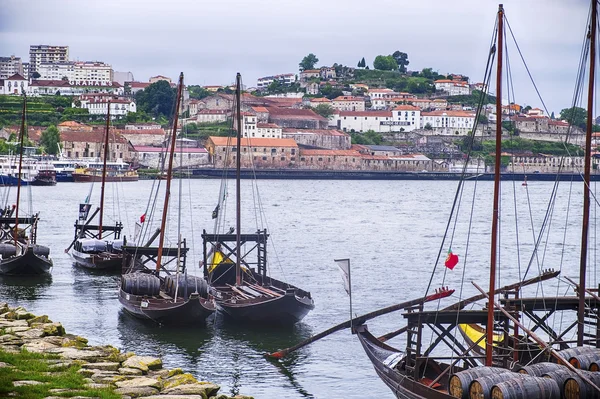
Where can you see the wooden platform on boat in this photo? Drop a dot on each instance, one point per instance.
(549, 304)
(152, 251)
(22, 220)
(118, 227)
(222, 238)
(451, 316)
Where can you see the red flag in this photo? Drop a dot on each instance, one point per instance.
(142, 218)
(451, 260)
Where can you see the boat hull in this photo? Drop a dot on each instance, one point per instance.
(27, 263)
(101, 261)
(64, 177)
(284, 310)
(384, 358)
(193, 310)
(12, 181)
(85, 178)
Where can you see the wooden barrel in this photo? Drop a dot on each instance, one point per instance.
(561, 375)
(539, 369)
(458, 384)
(481, 387)
(587, 361)
(526, 387)
(579, 350)
(575, 388)
(140, 284)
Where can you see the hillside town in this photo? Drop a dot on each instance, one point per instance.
(316, 118)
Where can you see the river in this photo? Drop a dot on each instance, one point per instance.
(391, 231)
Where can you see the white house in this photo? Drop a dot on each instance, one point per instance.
(267, 130)
(449, 122)
(211, 116)
(285, 79)
(362, 121)
(407, 116)
(310, 74)
(348, 103)
(99, 106)
(15, 84)
(381, 93)
(452, 87)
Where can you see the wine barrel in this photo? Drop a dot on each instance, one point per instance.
(561, 375)
(575, 388)
(41, 250)
(185, 286)
(527, 387)
(7, 250)
(459, 382)
(140, 284)
(578, 350)
(481, 387)
(539, 369)
(586, 361)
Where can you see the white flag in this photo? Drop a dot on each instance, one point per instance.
(344, 265)
(138, 229)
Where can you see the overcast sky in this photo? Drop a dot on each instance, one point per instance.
(211, 40)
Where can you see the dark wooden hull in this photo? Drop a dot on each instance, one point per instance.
(284, 310)
(43, 182)
(26, 264)
(101, 261)
(193, 310)
(381, 356)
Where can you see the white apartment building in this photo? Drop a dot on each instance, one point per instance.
(10, 66)
(348, 103)
(449, 122)
(453, 87)
(44, 54)
(407, 116)
(381, 93)
(99, 106)
(363, 121)
(285, 79)
(78, 73)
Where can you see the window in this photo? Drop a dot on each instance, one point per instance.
(283, 158)
(264, 158)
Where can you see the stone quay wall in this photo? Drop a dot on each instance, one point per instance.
(104, 367)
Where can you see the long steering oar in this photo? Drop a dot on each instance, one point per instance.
(461, 304)
(442, 293)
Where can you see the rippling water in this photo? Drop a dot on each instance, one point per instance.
(391, 231)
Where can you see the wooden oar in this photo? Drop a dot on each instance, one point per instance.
(442, 293)
(459, 305)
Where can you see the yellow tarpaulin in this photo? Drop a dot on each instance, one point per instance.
(217, 259)
(474, 333)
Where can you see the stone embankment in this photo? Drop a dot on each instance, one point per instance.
(103, 367)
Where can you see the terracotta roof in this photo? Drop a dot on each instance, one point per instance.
(444, 81)
(267, 126)
(320, 100)
(184, 149)
(282, 101)
(380, 90)
(348, 98)
(558, 123)
(16, 76)
(260, 109)
(378, 114)
(406, 108)
(139, 85)
(449, 113)
(157, 132)
(319, 132)
(311, 71)
(71, 124)
(50, 83)
(340, 153)
(254, 142)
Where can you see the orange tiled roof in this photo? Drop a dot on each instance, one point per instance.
(253, 142)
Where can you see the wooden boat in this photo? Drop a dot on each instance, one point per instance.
(154, 282)
(97, 246)
(243, 291)
(426, 368)
(88, 175)
(19, 252)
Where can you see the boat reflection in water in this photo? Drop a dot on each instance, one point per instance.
(24, 288)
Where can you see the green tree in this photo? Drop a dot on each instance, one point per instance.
(576, 116)
(308, 62)
(50, 140)
(198, 92)
(428, 126)
(158, 99)
(385, 63)
(362, 63)
(325, 110)
(401, 59)
(482, 119)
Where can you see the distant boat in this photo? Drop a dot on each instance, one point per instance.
(114, 173)
(20, 253)
(98, 246)
(242, 293)
(45, 177)
(155, 284)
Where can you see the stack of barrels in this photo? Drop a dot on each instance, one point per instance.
(537, 381)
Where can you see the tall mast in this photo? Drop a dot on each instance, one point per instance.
(169, 170)
(16, 232)
(104, 173)
(238, 166)
(489, 347)
(586, 178)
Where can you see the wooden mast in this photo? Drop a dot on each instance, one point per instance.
(238, 166)
(489, 346)
(163, 222)
(16, 231)
(586, 178)
(104, 173)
